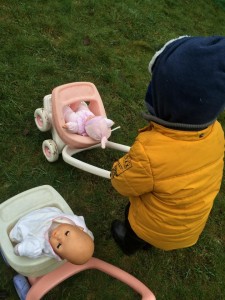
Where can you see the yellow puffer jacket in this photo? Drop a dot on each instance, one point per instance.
(171, 178)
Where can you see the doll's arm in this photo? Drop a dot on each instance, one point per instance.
(71, 126)
(70, 118)
(30, 247)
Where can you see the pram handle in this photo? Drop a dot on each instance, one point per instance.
(68, 152)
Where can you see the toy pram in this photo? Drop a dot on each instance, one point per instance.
(38, 276)
(50, 117)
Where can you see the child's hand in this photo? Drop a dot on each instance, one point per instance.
(65, 126)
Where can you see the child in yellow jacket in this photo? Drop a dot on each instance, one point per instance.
(174, 169)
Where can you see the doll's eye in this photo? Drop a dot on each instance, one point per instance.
(58, 246)
(67, 232)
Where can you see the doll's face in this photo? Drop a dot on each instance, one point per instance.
(72, 243)
(63, 237)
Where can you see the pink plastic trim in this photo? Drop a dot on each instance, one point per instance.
(42, 285)
(71, 94)
(47, 151)
(39, 120)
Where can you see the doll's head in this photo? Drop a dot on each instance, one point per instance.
(70, 242)
(99, 129)
(187, 89)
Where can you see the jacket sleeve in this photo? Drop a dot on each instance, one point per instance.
(131, 175)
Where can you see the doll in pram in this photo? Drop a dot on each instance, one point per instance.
(51, 117)
(38, 276)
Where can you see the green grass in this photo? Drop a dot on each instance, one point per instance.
(48, 43)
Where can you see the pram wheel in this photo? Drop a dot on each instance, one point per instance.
(22, 286)
(42, 119)
(50, 150)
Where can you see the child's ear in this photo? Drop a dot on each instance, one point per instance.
(109, 122)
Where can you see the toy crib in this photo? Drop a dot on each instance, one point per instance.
(50, 117)
(38, 276)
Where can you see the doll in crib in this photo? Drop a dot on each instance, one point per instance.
(50, 232)
(84, 122)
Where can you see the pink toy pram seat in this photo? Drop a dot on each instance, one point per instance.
(72, 94)
(50, 117)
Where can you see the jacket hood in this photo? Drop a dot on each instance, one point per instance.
(187, 89)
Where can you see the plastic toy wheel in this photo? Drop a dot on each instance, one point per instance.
(42, 119)
(22, 286)
(50, 150)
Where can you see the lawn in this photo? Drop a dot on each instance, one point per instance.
(48, 43)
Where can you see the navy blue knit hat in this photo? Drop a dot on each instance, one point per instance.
(187, 89)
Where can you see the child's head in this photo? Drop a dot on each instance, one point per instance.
(70, 242)
(187, 89)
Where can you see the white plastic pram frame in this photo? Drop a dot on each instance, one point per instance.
(50, 117)
(38, 276)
